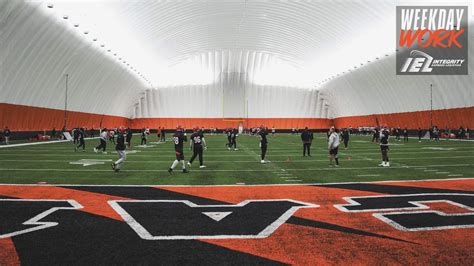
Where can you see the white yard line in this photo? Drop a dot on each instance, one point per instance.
(236, 170)
(250, 185)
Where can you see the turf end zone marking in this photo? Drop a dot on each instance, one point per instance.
(36, 220)
(417, 207)
(267, 231)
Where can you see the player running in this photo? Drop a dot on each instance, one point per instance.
(179, 138)
(82, 143)
(120, 148)
(233, 139)
(333, 146)
(262, 134)
(103, 141)
(197, 144)
(384, 136)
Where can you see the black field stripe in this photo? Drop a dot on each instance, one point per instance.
(392, 189)
(338, 228)
(85, 239)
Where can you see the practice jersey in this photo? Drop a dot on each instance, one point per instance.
(197, 138)
(263, 135)
(233, 134)
(179, 138)
(120, 146)
(384, 135)
(103, 135)
(333, 141)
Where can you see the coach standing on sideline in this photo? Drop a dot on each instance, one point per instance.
(307, 138)
(333, 146)
(120, 148)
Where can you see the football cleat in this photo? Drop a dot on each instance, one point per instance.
(113, 166)
(236, 149)
(382, 164)
(202, 166)
(185, 171)
(262, 161)
(387, 164)
(189, 164)
(95, 150)
(170, 171)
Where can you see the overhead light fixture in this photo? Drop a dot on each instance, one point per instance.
(102, 45)
(49, 5)
(95, 39)
(65, 17)
(108, 50)
(76, 25)
(86, 32)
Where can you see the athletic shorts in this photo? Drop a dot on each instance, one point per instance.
(333, 151)
(179, 155)
(384, 148)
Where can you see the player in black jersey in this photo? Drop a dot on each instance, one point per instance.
(145, 133)
(384, 136)
(307, 139)
(80, 135)
(262, 134)
(228, 133)
(120, 148)
(233, 139)
(179, 137)
(128, 137)
(198, 143)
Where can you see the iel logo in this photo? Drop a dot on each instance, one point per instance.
(417, 62)
(432, 40)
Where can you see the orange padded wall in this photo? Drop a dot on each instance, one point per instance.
(28, 118)
(452, 118)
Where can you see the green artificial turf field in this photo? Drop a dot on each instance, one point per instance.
(51, 163)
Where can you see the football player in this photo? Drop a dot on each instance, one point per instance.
(120, 148)
(420, 134)
(129, 136)
(307, 139)
(384, 146)
(6, 135)
(345, 137)
(228, 133)
(82, 143)
(233, 138)
(145, 133)
(103, 141)
(112, 136)
(162, 136)
(179, 138)
(405, 135)
(333, 146)
(262, 134)
(197, 144)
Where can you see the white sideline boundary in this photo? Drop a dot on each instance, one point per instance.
(39, 143)
(250, 185)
